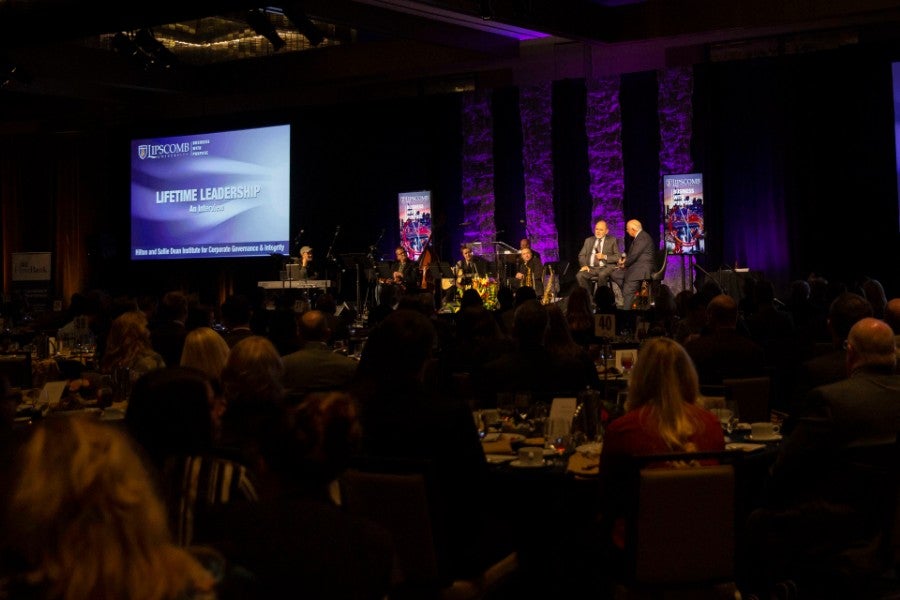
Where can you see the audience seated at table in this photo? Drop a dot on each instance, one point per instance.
(661, 416)
(84, 521)
(528, 366)
(580, 316)
(407, 414)
(237, 314)
(315, 367)
(832, 494)
(478, 340)
(167, 328)
(170, 416)
(206, 350)
(572, 365)
(252, 381)
(129, 347)
(296, 538)
(843, 312)
(721, 351)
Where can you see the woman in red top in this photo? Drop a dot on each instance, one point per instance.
(661, 417)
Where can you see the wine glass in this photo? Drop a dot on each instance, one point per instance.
(558, 435)
(523, 405)
(627, 361)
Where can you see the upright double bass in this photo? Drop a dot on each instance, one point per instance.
(424, 265)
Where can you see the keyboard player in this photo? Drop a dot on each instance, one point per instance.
(308, 267)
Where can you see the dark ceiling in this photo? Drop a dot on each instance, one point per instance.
(63, 58)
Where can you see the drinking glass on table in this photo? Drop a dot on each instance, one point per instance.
(558, 435)
(728, 416)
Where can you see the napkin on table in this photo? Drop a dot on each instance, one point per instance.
(580, 464)
(501, 446)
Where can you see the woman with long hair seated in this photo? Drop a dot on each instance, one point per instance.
(128, 346)
(205, 349)
(661, 417)
(84, 521)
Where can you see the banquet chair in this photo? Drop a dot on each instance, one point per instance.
(398, 495)
(650, 285)
(680, 530)
(16, 368)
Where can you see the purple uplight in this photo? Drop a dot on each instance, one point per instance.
(478, 169)
(603, 126)
(537, 161)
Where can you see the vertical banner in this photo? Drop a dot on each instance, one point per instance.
(415, 221)
(683, 223)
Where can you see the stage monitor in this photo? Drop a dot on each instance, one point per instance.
(415, 221)
(220, 194)
(683, 225)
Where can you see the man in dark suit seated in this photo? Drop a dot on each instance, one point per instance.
(832, 488)
(722, 352)
(167, 330)
(844, 311)
(315, 367)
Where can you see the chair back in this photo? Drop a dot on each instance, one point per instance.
(396, 494)
(752, 396)
(682, 528)
(662, 261)
(16, 368)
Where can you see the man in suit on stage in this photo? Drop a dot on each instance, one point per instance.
(597, 258)
(638, 264)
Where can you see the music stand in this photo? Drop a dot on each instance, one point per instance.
(359, 261)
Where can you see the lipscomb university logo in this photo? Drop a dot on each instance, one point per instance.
(143, 151)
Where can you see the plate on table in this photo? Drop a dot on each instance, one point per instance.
(521, 465)
(742, 427)
(764, 438)
(498, 459)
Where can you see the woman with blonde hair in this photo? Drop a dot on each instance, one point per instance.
(661, 417)
(207, 351)
(128, 346)
(661, 411)
(253, 384)
(84, 521)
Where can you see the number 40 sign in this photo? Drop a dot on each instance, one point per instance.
(605, 326)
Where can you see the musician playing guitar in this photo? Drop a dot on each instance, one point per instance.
(471, 266)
